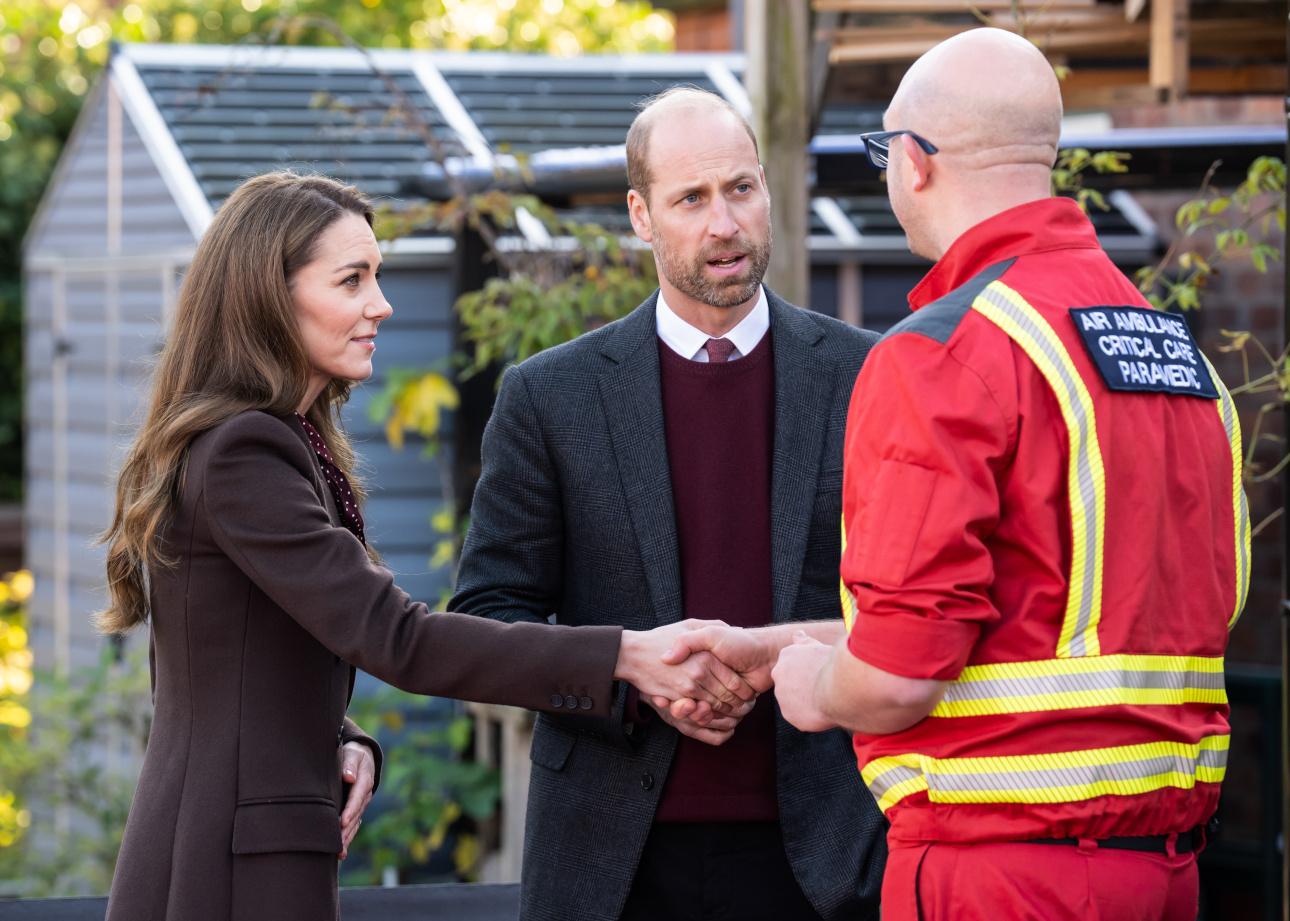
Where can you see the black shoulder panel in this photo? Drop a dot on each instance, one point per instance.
(941, 317)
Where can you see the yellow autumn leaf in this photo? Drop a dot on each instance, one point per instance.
(466, 855)
(394, 430)
(443, 521)
(21, 585)
(11, 714)
(451, 813)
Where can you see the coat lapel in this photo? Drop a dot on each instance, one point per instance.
(632, 397)
(803, 384)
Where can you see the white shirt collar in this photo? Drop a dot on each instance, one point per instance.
(688, 341)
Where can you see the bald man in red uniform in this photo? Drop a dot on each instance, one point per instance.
(1046, 537)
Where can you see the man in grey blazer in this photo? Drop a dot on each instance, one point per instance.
(685, 461)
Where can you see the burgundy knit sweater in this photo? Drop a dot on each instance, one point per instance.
(720, 424)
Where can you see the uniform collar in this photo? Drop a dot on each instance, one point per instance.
(1037, 226)
(687, 341)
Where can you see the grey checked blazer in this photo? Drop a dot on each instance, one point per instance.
(573, 516)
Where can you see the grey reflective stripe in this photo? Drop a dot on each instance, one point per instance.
(1091, 537)
(1077, 776)
(1088, 681)
(891, 778)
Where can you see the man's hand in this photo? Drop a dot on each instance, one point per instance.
(701, 677)
(796, 676)
(749, 652)
(716, 730)
(358, 770)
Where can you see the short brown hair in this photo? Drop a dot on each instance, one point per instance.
(638, 174)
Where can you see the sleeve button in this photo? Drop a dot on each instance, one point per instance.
(557, 701)
(586, 703)
(647, 781)
(571, 702)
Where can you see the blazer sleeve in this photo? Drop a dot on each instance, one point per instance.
(259, 499)
(512, 563)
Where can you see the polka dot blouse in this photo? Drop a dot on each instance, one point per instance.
(350, 515)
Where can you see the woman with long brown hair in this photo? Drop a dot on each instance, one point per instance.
(238, 537)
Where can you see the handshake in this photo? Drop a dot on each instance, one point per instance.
(703, 676)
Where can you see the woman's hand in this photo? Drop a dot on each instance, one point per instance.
(358, 770)
(701, 677)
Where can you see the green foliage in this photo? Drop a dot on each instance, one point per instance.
(550, 297)
(1217, 230)
(1219, 227)
(68, 769)
(1073, 164)
(430, 786)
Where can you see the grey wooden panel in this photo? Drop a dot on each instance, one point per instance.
(91, 454)
(76, 215)
(84, 649)
(85, 344)
(38, 299)
(402, 521)
(413, 575)
(85, 557)
(401, 473)
(418, 295)
(89, 504)
(91, 406)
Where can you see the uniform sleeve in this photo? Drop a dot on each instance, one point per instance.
(264, 513)
(925, 441)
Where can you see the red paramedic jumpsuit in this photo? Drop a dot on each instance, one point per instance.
(1042, 505)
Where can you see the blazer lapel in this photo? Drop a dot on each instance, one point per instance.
(632, 397)
(803, 384)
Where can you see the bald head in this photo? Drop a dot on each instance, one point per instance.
(986, 97)
(682, 104)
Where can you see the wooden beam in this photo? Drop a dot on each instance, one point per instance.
(777, 39)
(1246, 38)
(1169, 47)
(1105, 87)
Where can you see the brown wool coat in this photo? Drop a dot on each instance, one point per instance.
(255, 635)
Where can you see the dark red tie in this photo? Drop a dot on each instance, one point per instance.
(719, 350)
(336, 481)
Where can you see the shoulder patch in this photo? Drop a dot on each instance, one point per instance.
(941, 317)
(1137, 349)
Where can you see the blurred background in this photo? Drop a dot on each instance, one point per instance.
(491, 133)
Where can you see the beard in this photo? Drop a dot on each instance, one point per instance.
(689, 275)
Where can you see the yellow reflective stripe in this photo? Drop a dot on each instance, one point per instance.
(1059, 777)
(1086, 476)
(848, 600)
(1090, 681)
(1240, 505)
